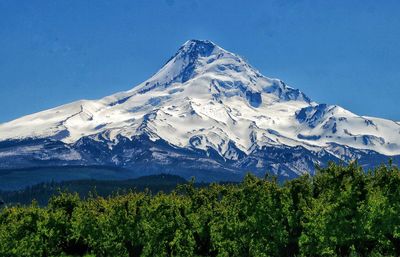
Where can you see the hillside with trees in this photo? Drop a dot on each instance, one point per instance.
(341, 211)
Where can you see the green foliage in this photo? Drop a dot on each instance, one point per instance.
(341, 211)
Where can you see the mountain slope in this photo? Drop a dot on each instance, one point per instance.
(206, 112)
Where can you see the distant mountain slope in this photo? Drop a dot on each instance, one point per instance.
(105, 188)
(205, 113)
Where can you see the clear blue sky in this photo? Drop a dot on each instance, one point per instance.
(337, 52)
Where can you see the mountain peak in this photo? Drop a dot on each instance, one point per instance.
(218, 70)
(200, 47)
(198, 41)
(194, 49)
(181, 66)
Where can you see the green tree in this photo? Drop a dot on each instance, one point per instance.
(333, 222)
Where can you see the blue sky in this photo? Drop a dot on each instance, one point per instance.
(337, 52)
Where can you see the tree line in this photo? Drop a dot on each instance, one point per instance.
(42, 192)
(341, 211)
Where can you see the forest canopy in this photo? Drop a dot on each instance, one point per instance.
(341, 211)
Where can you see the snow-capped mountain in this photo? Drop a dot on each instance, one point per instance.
(206, 113)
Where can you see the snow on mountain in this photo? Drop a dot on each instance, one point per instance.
(204, 100)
